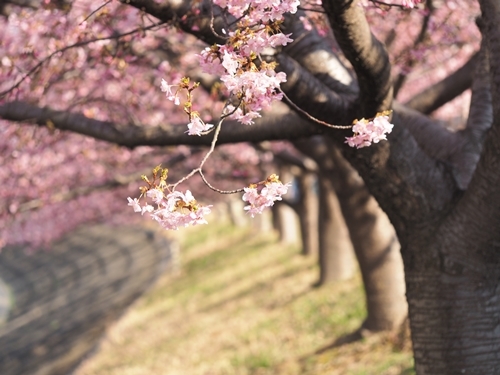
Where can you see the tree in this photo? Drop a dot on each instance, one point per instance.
(372, 236)
(438, 188)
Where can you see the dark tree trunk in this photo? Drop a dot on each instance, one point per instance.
(336, 256)
(455, 322)
(453, 289)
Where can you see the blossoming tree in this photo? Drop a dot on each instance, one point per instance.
(438, 187)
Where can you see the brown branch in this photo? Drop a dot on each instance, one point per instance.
(202, 24)
(311, 96)
(281, 123)
(314, 52)
(366, 54)
(446, 90)
(8, 7)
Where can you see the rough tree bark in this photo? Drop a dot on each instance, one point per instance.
(448, 228)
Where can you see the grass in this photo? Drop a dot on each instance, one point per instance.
(244, 305)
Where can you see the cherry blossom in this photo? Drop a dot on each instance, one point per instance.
(272, 191)
(255, 86)
(156, 195)
(167, 89)
(135, 204)
(367, 132)
(175, 210)
(410, 3)
(261, 11)
(197, 126)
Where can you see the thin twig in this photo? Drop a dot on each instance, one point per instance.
(212, 28)
(95, 11)
(218, 190)
(297, 108)
(199, 169)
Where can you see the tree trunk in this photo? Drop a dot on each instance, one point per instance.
(235, 211)
(285, 218)
(285, 223)
(308, 212)
(454, 321)
(373, 237)
(453, 289)
(336, 256)
(377, 249)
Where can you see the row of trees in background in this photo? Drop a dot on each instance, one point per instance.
(341, 222)
(438, 188)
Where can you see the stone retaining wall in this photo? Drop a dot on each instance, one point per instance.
(57, 303)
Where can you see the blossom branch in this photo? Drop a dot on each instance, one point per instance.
(35, 68)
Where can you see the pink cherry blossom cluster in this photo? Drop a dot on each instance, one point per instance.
(252, 83)
(370, 131)
(174, 210)
(410, 3)
(258, 11)
(257, 91)
(272, 191)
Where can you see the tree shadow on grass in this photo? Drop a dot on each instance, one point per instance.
(348, 338)
(399, 339)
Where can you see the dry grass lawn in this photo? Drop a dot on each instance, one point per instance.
(245, 305)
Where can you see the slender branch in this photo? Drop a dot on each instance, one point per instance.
(216, 189)
(199, 169)
(95, 11)
(312, 118)
(314, 98)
